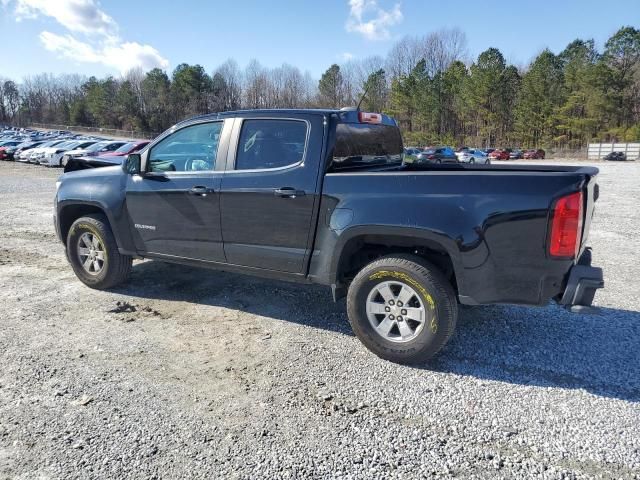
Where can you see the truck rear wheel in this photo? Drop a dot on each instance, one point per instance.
(402, 308)
(93, 253)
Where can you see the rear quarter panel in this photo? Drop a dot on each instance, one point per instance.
(492, 224)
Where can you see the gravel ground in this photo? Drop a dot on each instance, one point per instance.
(189, 373)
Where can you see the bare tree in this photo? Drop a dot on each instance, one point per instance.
(438, 49)
(404, 56)
(255, 86)
(232, 94)
(442, 48)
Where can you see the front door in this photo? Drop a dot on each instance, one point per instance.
(174, 206)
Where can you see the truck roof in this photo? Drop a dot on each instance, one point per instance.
(346, 115)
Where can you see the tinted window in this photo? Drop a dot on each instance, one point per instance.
(270, 144)
(96, 146)
(193, 148)
(361, 145)
(110, 147)
(125, 148)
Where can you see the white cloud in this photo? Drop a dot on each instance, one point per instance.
(346, 56)
(371, 21)
(120, 56)
(82, 16)
(100, 41)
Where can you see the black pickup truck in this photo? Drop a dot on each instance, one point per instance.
(323, 196)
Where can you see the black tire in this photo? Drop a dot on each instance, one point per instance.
(115, 267)
(472, 161)
(431, 287)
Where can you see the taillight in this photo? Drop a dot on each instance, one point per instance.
(367, 117)
(566, 226)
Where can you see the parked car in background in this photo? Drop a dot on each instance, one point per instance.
(36, 154)
(20, 152)
(9, 143)
(53, 157)
(499, 155)
(515, 154)
(410, 154)
(437, 155)
(534, 154)
(616, 156)
(96, 148)
(3, 152)
(106, 147)
(129, 147)
(473, 155)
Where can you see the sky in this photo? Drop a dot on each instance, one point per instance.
(108, 37)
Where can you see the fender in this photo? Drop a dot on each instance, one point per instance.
(428, 238)
(122, 235)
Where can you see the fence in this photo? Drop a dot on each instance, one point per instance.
(111, 132)
(598, 150)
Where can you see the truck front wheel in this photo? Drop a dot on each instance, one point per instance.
(93, 253)
(402, 308)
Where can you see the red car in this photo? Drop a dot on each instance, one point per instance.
(127, 148)
(499, 155)
(534, 154)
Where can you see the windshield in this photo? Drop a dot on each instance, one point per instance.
(126, 147)
(97, 146)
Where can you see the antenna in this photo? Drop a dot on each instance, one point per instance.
(364, 94)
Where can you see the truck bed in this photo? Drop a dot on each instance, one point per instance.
(491, 221)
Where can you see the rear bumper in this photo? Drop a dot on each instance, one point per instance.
(582, 282)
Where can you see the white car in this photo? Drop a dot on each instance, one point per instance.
(23, 156)
(473, 155)
(53, 155)
(78, 147)
(35, 154)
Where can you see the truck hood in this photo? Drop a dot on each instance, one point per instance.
(95, 173)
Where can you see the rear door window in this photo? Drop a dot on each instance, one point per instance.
(268, 144)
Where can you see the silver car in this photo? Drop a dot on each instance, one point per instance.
(473, 156)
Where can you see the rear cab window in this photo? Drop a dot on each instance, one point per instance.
(363, 145)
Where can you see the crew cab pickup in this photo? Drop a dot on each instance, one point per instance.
(323, 196)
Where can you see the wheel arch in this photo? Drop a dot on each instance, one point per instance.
(70, 211)
(359, 246)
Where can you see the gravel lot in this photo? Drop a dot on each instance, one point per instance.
(189, 373)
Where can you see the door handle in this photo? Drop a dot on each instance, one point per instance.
(200, 191)
(288, 192)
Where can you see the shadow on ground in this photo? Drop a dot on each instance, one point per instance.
(544, 347)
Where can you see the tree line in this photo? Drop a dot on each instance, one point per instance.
(437, 94)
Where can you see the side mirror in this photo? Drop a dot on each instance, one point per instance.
(133, 164)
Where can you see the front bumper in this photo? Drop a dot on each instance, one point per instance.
(582, 282)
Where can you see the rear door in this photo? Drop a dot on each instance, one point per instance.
(174, 207)
(269, 191)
